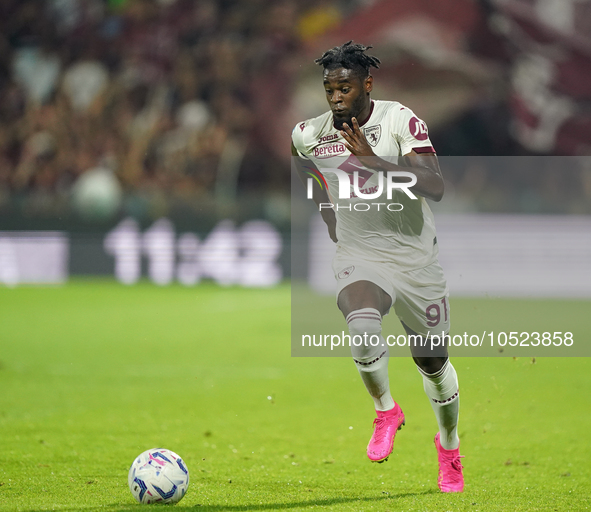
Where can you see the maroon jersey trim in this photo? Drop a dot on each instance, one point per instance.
(367, 118)
(426, 149)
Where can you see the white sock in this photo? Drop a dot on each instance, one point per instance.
(371, 361)
(443, 392)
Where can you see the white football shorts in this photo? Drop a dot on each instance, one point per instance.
(420, 297)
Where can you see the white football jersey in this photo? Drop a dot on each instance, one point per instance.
(400, 229)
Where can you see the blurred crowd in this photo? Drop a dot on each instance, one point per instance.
(153, 106)
(143, 99)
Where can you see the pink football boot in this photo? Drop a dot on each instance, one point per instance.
(450, 477)
(382, 441)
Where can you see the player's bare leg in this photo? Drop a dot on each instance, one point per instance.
(440, 382)
(363, 304)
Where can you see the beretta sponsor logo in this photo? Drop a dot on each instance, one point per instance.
(328, 150)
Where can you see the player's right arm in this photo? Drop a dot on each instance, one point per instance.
(318, 195)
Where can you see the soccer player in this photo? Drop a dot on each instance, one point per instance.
(386, 249)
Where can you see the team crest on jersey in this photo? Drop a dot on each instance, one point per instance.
(372, 134)
(346, 272)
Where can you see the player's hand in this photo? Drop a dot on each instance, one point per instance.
(355, 140)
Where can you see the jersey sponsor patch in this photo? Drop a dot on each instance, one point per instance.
(372, 134)
(330, 149)
(418, 128)
(346, 272)
(328, 138)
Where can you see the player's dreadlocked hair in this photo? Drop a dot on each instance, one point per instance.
(349, 56)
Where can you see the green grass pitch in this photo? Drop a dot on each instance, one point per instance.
(93, 373)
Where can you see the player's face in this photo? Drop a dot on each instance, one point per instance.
(347, 94)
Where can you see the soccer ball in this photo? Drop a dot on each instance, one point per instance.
(158, 476)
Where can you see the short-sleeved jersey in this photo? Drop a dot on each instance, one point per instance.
(405, 237)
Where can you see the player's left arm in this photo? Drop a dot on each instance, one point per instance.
(424, 166)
